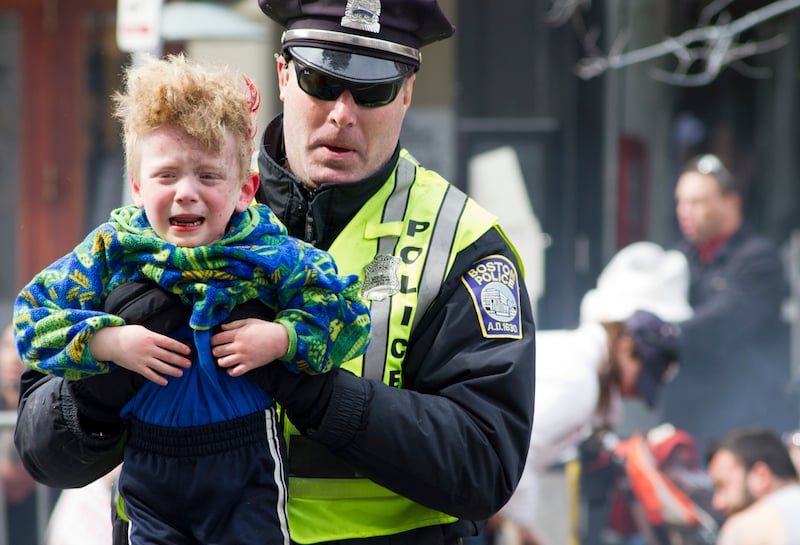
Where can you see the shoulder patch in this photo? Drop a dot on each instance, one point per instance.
(493, 285)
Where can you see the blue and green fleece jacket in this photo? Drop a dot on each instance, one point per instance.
(58, 312)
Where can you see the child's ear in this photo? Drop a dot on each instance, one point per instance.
(136, 192)
(248, 191)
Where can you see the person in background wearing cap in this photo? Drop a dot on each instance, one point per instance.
(622, 349)
(426, 436)
(735, 365)
(756, 486)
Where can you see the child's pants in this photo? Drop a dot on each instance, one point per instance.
(222, 483)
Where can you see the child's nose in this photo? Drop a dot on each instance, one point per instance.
(186, 189)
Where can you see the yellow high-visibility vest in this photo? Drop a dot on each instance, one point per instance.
(402, 243)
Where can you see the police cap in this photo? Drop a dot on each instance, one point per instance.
(364, 41)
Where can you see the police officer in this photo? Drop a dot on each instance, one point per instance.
(425, 436)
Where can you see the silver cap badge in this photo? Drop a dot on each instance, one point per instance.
(362, 15)
(381, 278)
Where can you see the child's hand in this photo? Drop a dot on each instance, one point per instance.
(243, 345)
(143, 351)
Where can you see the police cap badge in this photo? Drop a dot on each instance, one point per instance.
(359, 40)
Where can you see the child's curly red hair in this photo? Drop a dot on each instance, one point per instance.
(208, 102)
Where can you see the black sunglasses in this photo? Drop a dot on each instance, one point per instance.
(325, 87)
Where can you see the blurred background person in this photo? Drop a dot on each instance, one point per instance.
(624, 348)
(82, 516)
(18, 486)
(756, 485)
(11, 368)
(735, 348)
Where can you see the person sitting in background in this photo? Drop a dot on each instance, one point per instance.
(756, 486)
(735, 345)
(625, 347)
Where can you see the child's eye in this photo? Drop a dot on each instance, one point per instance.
(163, 176)
(210, 176)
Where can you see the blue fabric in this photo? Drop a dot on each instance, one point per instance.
(203, 395)
(224, 486)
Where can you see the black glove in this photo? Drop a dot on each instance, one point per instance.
(99, 398)
(304, 397)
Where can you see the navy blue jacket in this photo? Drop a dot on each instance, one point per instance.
(734, 357)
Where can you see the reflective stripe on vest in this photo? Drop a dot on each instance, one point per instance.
(379, 310)
(419, 218)
(438, 240)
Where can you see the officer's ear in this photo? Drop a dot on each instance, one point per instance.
(282, 64)
(408, 89)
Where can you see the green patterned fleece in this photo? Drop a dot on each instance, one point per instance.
(58, 312)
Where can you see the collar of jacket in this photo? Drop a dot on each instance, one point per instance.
(331, 207)
(723, 252)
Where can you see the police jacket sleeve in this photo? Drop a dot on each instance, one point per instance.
(54, 446)
(456, 436)
(69, 433)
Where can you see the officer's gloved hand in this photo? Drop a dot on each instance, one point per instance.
(304, 397)
(100, 398)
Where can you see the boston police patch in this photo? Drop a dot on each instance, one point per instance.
(492, 284)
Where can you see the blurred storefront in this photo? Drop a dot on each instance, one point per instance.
(57, 64)
(601, 155)
(61, 161)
